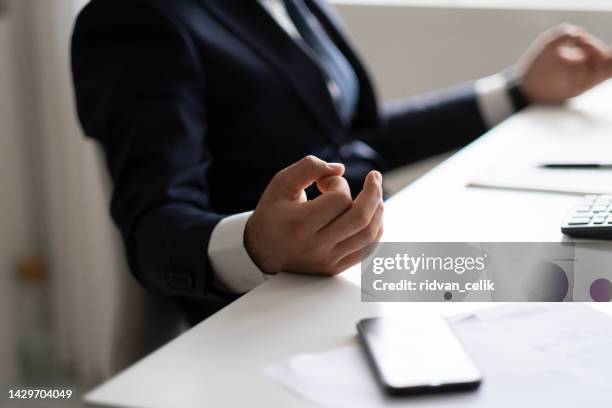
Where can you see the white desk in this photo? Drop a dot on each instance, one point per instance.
(217, 363)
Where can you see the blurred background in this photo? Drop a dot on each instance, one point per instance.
(70, 314)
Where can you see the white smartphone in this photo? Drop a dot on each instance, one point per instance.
(415, 355)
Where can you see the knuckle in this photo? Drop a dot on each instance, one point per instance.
(369, 234)
(361, 218)
(561, 32)
(374, 190)
(568, 30)
(310, 160)
(372, 232)
(379, 233)
(280, 177)
(343, 201)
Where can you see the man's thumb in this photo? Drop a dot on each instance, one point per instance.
(291, 181)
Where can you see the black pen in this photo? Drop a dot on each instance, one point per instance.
(576, 166)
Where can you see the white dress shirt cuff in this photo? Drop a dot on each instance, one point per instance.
(493, 99)
(234, 269)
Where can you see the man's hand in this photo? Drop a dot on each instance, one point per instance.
(562, 63)
(323, 236)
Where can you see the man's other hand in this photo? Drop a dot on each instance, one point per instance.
(324, 236)
(562, 63)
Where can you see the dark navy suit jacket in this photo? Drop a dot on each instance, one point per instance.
(198, 103)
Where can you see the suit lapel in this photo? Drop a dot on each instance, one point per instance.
(253, 24)
(367, 109)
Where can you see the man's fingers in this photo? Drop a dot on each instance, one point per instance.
(364, 237)
(564, 34)
(356, 257)
(595, 51)
(334, 201)
(291, 181)
(597, 43)
(602, 54)
(577, 37)
(333, 183)
(360, 214)
(591, 60)
(598, 60)
(574, 57)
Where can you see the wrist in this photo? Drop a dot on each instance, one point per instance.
(516, 89)
(253, 245)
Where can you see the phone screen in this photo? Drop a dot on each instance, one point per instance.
(417, 354)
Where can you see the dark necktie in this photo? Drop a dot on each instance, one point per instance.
(332, 62)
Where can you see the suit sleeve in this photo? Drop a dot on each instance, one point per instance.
(140, 93)
(418, 127)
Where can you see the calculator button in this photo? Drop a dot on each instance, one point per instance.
(600, 208)
(587, 215)
(599, 220)
(581, 221)
(583, 208)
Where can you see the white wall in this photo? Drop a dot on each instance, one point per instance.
(411, 49)
(16, 225)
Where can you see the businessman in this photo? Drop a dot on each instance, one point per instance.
(244, 137)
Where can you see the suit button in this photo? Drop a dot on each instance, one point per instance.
(178, 280)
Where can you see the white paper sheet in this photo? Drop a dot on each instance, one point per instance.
(573, 136)
(529, 177)
(556, 355)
